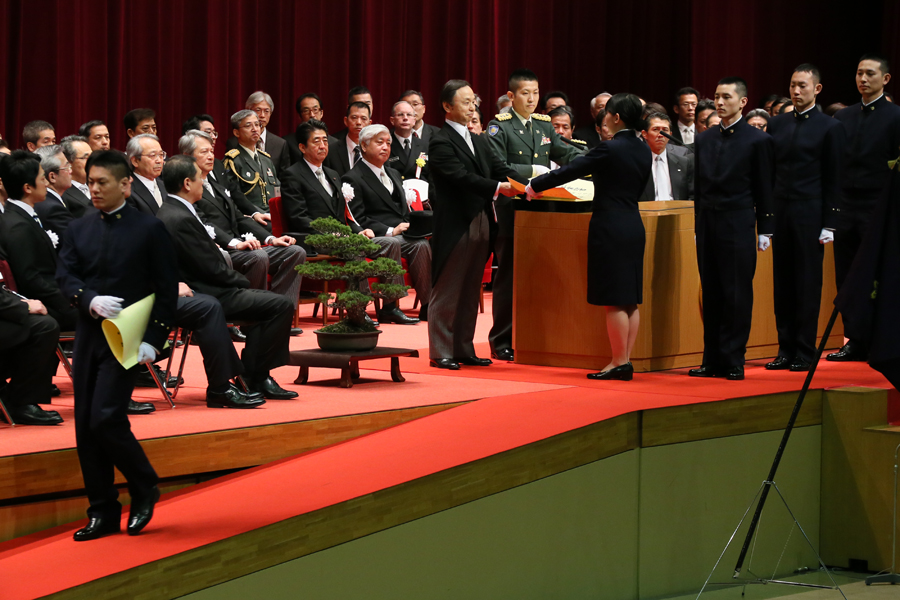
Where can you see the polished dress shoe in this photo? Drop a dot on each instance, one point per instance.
(32, 414)
(395, 315)
(800, 365)
(233, 398)
(98, 527)
(506, 354)
(296, 331)
(851, 351)
(371, 321)
(54, 391)
(444, 363)
(621, 373)
(705, 371)
(142, 511)
(140, 408)
(144, 379)
(734, 373)
(781, 363)
(423, 313)
(474, 361)
(236, 334)
(271, 390)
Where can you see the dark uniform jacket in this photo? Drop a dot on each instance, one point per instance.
(276, 149)
(520, 149)
(255, 178)
(873, 138)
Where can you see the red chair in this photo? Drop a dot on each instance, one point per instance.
(486, 278)
(277, 217)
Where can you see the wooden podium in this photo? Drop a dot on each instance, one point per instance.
(554, 325)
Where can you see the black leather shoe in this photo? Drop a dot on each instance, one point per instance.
(296, 331)
(779, 364)
(506, 354)
(144, 379)
(142, 511)
(32, 414)
(734, 373)
(621, 373)
(851, 351)
(98, 527)
(800, 365)
(371, 321)
(236, 334)
(54, 391)
(395, 315)
(444, 363)
(233, 398)
(705, 371)
(474, 361)
(423, 313)
(140, 408)
(271, 390)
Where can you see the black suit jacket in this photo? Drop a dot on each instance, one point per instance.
(200, 264)
(681, 175)
(428, 132)
(373, 206)
(229, 222)
(54, 215)
(338, 159)
(142, 199)
(77, 203)
(587, 134)
(405, 162)
(303, 199)
(469, 180)
(276, 148)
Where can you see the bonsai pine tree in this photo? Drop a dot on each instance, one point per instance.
(338, 240)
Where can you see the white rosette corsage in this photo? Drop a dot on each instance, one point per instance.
(248, 237)
(347, 191)
(411, 196)
(53, 238)
(210, 231)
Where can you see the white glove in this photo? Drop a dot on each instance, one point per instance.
(107, 307)
(538, 170)
(764, 243)
(826, 237)
(146, 354)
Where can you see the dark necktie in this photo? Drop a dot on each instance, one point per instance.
(37, 220)
(406, 145)
(528, 125)
(357, 154)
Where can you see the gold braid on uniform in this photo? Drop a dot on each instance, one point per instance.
(229, 164)
(503, 116)
(540, 117)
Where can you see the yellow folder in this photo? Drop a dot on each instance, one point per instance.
(125, 333)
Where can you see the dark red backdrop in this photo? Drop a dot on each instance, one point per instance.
(74, 60)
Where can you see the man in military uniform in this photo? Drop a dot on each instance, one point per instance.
(526, 142)
(247, 166)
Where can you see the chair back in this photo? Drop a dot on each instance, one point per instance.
(8, 279)
(488, 270)
(277, 217)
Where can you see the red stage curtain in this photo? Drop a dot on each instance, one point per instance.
(75, 60)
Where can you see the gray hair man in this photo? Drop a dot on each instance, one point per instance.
(263, 106)
(53, 212)
(77, 198)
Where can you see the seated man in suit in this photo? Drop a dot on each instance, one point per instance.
(140, 121)
(201, 266)
(37, 134)
(406, 146)
(78, 197)
(421, 130)
(240, 235)
(274, 146)
(249, 170)
(673, 166)
(345, 153)
(379, 199)
(96, 133)
(28, 338)
(53, 211)
(146, 157)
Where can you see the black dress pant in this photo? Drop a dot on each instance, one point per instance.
(726, 256)
(205, 317)
(268, 318)
(501, 333)
(27, 351)
(102, 432)
(848, 235)
(797, 262)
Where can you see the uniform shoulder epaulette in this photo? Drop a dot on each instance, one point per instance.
(264, 153)
(503, 116)
(233, 153)
(579, 141)
(540, 117)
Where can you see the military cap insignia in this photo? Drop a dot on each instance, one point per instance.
(541, 117)
(233, 153)
(493, 129)
(503, 116)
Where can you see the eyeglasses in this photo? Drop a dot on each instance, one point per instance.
(212, 133)
(689, 104)
(66, 168)
(155, 155)
(262, 111)
(250, 126)
(311, 111)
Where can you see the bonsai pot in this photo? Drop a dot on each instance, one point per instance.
(337, 342)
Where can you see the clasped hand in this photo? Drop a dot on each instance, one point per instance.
(107, 307)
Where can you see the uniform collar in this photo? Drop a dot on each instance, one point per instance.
(731, 128)
(115, 213)
(249, 151)
(521, 118)
(805, 114)
(879, 101)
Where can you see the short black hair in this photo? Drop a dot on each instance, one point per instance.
(20, 168)
(629, 109)
(598, 120)
(656, 115)
(176, 170)
(811, 69)
(881, 60)
(359, 105)
(740, 86)
(32, 131)
(297, 104)
(448, 92)
(3, 144)
(518, 76)
(408, 93)
(783, 108)
(554, 94)
(85, 130)
(305, 130)
(686, 91)
(779, 103)
(111, 160)
(133, 117)
(563, 110)
(769, 98)
(357, 91)
(194, 122)
(704, 104)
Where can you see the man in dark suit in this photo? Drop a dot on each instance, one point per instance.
(872, 128)
(109, 260)
(808, 147)
(734, 219)
(53, 212)
(28, 338)
(685, 108)
(588, 131)
(309, 106)
(420, 130)
(467, 170)
(379, 199)
(406, 146)
(274, 146)
(78, 197)
(344, 154)
(202, 267)
(147, 158)
(672, 175)
(313, 191)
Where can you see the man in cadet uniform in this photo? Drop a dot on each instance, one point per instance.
(248, 167)
(526, 142)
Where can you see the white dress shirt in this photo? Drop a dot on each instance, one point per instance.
(83, 188)
(324, 180)
(150, 184)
